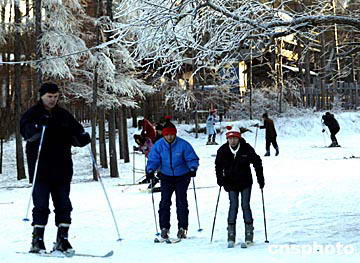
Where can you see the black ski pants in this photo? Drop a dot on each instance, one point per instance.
(245, 206)
(269, 141)
(169, 185)
(61, 201)
(333, 132)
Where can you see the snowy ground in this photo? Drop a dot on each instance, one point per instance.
(311, 199)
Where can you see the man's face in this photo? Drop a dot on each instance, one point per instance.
(50, 100)
(170, 138)
(233, 141)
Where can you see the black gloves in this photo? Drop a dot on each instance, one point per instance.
(323, 130)
(192, 173)
(220, 181)
(150, 175)
(44, 120)
(261, 183)
(81, 139)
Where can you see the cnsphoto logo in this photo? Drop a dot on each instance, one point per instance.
(312, 249)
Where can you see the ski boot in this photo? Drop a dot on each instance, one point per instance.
(62, 243)
(37, 243)
(231, 235)
(182, 233)
(277, 151)
(333, 144)
(267, 153)
(214, 143)
(249, 233)
(209, 143)
(164, 233)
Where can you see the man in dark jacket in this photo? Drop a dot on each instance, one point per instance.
(270, 134)
(177, 162)
(54, 167)
(334, 127)
(232, 165)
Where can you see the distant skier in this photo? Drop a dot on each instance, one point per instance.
(232, 166)
(55, 166)
(210, 128)
(334, 127)
(177, 162)
(270, 134)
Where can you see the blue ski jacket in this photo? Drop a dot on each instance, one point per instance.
(175, 159)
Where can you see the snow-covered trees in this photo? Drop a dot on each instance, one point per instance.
(168, 33)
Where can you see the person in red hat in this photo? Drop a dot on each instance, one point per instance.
(210, 128)
(177, 162)
(232, 166)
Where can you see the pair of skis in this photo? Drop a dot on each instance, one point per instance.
(59, 254)
(246, 244)
(167, 240)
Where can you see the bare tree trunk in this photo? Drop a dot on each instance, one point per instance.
(1, 153)
(93, 122)
(112, 145)
(102, 139)
(94, 96)
(17, 84)
(134, 118)
(119, 125)
(250, 83)
(38, 31)
(125, 142)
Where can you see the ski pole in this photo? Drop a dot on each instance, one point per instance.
(197, 210)
(262, 195)
(153, 204)
(256, 137)
(134, 167)
(216, 208)
(106, 196)
(35, 172)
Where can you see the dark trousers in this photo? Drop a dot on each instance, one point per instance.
(245, 206)
(169, 185)
(270, 141)
(332, 135)
(212, 137)
(60, 197)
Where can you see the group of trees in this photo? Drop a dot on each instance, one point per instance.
(109, 54)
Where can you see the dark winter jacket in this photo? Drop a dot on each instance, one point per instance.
(269, 127)
(235, 173)
(174, 159)
(62, 131)
(331, 122)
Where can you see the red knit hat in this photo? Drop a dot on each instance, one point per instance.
(232, 132)
(169, 129)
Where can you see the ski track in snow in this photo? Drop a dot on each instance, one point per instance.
(308, 198)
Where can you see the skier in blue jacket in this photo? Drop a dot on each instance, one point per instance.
(177, 162)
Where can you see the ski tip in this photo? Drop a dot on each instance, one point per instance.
(109, 254)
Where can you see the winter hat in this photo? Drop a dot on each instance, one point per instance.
(169, 129)
(232, 132)
(167, 117)
(265, 115)
(48, 88)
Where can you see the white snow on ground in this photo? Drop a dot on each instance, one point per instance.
(311, 199)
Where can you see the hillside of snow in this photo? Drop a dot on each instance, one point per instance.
(311, 201)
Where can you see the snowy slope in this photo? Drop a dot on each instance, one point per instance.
(311, 198)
